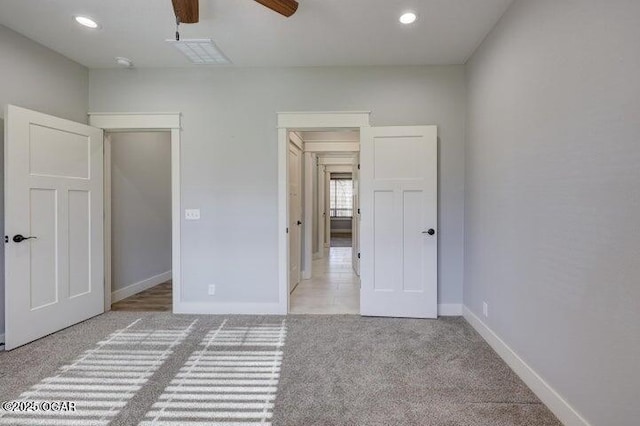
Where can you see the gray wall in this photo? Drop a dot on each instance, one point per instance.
(140, 206)
(552, 197)
(35, 77)
(229, 156)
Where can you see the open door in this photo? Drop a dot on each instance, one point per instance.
(398, 240)
(54, 258)
(295, 215)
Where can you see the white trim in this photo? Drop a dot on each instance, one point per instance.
(201, 308)
(336, 161)
(307, 249)
(296, 140)
(140, 286)
(327, 207)
(549, 396)
(323, 120)
(332, 146)
(133, 122)
(321, 222)
(283, 220)
(107, 223)
(300, 121)
(176, 217)
(450, 310)
(338, 168)
(120, 121)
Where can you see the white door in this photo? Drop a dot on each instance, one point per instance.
(398, 204)
(355, 223)
(54, 277)
(295, 214)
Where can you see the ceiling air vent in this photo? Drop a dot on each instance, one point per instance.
(201, 51)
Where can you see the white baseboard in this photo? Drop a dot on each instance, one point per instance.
(136, 288)
(552, 399)
(201, 308)
(450, 310)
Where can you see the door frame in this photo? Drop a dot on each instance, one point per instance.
(143, 122)
(302, 121)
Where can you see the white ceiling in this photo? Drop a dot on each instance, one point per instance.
(321, 33)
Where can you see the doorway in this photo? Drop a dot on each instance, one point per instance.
(138, 178)
(328, 283)
(169, 124)
(397, 235)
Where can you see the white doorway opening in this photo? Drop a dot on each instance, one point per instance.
(308, 122)
(138, 187)
(329, 283)
(153, 122)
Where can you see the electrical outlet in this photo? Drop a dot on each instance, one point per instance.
(192, 214)
(485, 309)
(212, 290)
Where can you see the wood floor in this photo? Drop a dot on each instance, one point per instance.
(155, 299)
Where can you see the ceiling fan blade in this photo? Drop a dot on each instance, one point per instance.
(283, 7)
(186, 11)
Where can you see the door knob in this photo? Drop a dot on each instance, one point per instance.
(19, 238)
(430, 232)
(299, 223)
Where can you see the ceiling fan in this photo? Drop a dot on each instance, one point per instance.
(187, 10)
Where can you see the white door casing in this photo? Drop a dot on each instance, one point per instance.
(54, 192)
(295, 214)
(398, 202)
(355, 222)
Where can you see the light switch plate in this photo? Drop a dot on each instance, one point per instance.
(192, 214)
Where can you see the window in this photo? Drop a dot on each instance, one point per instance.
(341, 198)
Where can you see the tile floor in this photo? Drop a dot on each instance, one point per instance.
(333, 289)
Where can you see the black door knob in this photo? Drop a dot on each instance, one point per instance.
(19, 238)
(299, 223)
(430, 232)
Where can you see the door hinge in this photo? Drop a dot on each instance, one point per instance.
(358, 255)
(6, 238)
(287, 230)
(358, 211)
(358, 166)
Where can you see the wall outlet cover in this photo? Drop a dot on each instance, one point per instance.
(485, 309)
(212, 290)
(192, 214)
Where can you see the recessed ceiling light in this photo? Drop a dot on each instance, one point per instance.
(87, 22)
(408, 18)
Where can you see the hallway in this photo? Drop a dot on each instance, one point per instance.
(333, 289)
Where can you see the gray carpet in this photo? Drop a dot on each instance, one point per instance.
(336, 370)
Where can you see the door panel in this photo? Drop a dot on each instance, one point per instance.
(295, 214)
(398, 200)
(54, 192)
